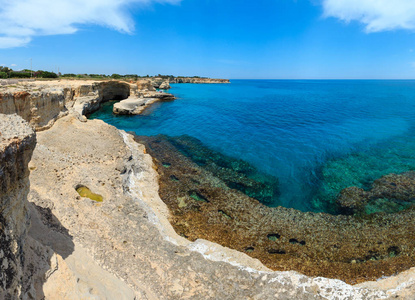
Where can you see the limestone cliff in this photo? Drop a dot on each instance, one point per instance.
(145, 85)
(42, 103)
(160, 83)
(17, 142)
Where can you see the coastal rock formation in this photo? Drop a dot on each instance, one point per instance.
(132, 106)
(145, 85)
(88, 98)
(17, 141)
(165, 85)
(197, 80)
(160, 83)
(39, 106)
(42, 103)
(162, 96)
(135, 106)
(391, 193)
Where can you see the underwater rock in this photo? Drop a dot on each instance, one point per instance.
(391, 193)
(235, 173)
(202, 206)
(351, 200)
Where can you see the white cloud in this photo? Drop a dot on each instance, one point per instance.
(11, 42)
(377, 15)
(13, 65)
(21, 20)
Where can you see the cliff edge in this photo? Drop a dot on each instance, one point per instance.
(17, 142)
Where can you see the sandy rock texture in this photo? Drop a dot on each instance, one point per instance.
(17, 141)
(135, 106)
(41, 103)
(160, 83)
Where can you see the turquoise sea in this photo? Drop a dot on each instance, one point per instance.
(316, 136)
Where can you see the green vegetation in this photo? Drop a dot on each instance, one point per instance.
(19, 74)
(44, 74)
(6, 72)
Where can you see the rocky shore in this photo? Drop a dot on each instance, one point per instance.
(144, 240)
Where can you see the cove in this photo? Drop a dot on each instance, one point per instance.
(316, 137)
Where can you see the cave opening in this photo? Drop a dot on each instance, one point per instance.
(116, 92)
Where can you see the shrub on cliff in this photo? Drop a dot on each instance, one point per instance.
(3, 75)
(44, 74)
(19, 75)
(68, 75)
(116, 76)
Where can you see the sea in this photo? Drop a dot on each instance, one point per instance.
(316, 136)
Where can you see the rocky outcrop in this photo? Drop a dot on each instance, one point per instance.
(160, 83)
(41, 103)
(165, 85)
(132, 106)
(197, 80)
(135, 106)
(390, 194)
(17, 141)
(40, 106)
(88, 97)
(145, 85)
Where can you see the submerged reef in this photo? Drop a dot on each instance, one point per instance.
(203, 206)
(389, 194)
(360, 169)
(235, 173)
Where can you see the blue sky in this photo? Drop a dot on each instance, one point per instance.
(217, 38)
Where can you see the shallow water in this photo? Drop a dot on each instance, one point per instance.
(316, 137)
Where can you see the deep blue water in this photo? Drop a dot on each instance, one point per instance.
(316, 136)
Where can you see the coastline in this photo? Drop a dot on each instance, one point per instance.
(91, 152)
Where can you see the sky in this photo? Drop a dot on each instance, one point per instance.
(262, 39)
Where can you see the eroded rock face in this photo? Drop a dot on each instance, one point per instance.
(38, 106)
(131, 106)
(145, 85)
(135, 106)
(165, 85)
(42, 103)
(88, 98)
(160, 83)
(17, 141)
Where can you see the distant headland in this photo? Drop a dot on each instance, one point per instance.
(8, 73)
